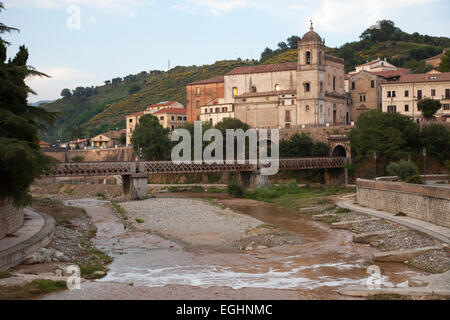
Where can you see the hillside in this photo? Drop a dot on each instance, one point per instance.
(77, 110)
(169, 86)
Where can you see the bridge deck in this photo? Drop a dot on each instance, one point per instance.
(153, 167)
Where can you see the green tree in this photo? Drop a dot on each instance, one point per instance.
(231, 123)
(152, 138)
(293, 42)
(444, 65)
(66, 93)
(429, 107)
(403, 169)
(436, 138)
(134, 88)
(391, 135)
(123, 139)
(21, 160)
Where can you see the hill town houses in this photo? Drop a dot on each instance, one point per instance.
(312, 92)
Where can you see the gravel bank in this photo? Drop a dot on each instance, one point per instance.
(407, 239)
(372, 226)
(435, 261)
(201, 224)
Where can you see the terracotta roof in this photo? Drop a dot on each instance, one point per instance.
(140, 113)
(162, 104)
(288, 66)
(369, 63)
(44, 144)
(266, 93)
(392, 73)
(423, 77)
(171, 111)
(333, 58)
(440, 55)
(113, 134)
(219, 79)
(79, 140)
(346, 76)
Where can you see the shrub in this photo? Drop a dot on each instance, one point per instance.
(415, 179)
(235, 189)
(77, 159)
(403, 169)
(342, 210)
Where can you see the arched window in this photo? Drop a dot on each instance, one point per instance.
(235, 91)
(320, 57)
(308, 57)
(307, 108)
(277, 87)
(253, 89)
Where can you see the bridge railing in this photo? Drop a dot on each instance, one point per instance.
(153, 167)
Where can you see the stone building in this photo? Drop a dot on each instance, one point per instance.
(309, 92)
(171, 118)
(436, 60)
(403, 95)
(108, 139)
(363, 85)
(364, 89)
(201, 93)
(133, 119)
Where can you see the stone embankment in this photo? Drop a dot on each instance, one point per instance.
(393, 242)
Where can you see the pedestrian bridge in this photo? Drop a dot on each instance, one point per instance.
(71, 169)
(135, 174)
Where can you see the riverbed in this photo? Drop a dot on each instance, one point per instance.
(149, 266)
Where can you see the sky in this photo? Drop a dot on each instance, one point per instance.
(84, 42)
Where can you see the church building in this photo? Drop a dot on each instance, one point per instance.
(309, 92)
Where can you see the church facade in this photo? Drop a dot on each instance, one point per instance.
(309, 92)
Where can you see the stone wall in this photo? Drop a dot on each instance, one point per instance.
(94, 155)
(11, 219)
(428, 203)
(316, 133)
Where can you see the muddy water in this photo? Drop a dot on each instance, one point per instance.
(314, 270)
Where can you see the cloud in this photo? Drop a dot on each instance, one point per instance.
(344, 15)
(123, 7)
(215, 7)
(61, 77)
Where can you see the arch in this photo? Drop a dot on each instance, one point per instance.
(308, 57)
(339, 151)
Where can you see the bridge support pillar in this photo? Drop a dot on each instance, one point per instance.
(258, 180)
(336, 177)
(134, 187)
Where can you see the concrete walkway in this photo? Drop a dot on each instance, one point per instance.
(36, 232)
(434, 231)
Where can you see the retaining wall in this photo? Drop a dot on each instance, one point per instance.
(11, 218)
(424, 202)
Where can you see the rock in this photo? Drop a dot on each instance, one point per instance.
(249, 249)
(261, 247)
(99, 273)
(58, 254)
(30, 260)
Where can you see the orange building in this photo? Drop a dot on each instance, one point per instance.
(202, 93)
(436, 60)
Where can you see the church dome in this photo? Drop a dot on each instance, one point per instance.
(311, 36)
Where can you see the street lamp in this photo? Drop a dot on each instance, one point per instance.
(375, 160)
(424, 161)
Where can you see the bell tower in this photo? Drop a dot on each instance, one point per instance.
(311, 80)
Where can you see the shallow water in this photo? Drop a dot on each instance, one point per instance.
(327, 260)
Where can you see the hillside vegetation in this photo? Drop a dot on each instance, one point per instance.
(169, 86)
(89, 115)
(400, 48)
(76, 111)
